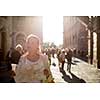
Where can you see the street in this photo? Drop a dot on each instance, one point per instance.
(81, 72)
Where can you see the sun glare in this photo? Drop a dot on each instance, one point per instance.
(53, 29)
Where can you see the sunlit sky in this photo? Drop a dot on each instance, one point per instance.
(53, 29)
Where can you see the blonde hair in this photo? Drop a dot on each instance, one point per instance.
(35, 37)
(32, 36)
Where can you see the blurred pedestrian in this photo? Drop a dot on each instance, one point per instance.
(62, 58)
(58, 56)
(69, 59)
(53, 52)
(48, 53)
(14, 54)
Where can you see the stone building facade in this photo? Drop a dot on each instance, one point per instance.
(75, 36)
(94, 33)
(15, 29)
(87, 31)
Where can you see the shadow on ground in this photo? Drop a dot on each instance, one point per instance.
(73, 63)
(74, 78)
(76, 61)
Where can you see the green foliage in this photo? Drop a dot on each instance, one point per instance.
(49, 44)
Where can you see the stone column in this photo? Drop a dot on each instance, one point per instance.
(91, 47)
(90, 41)
(97, 30)
(13, 40)
(3, 43)
(98, 50)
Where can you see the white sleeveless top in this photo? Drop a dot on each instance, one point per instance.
(30, 72)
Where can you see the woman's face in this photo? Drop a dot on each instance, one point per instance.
(32, 45)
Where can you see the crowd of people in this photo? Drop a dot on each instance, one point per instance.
(62, 56)
(32, 65)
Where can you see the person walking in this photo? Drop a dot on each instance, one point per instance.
(69, 59)
(62, 59)
(14, 54)
(31, 66)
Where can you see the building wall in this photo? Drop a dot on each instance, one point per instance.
(14, 30)
(96, 40)
(75, 35)
(5, 35)
(26, 25)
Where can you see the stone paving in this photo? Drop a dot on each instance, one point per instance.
(81, 72)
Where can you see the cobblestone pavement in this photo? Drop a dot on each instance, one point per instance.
(81, 72)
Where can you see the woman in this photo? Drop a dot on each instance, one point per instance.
(32, 64)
